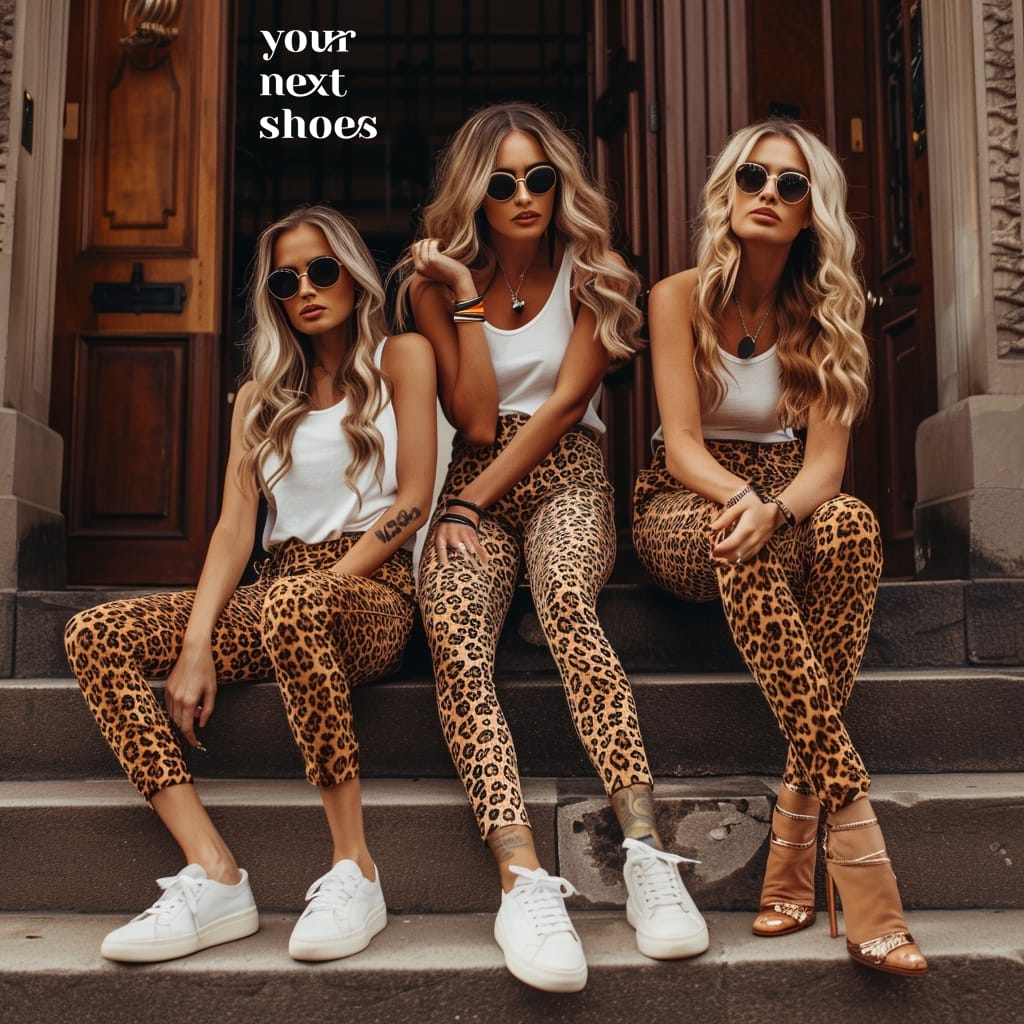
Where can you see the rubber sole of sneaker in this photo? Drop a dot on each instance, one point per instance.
(312, 950)
(659, 948)
(547, 980)
(152, 951)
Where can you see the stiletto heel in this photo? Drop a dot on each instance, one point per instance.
(787, 894)
(871, 906)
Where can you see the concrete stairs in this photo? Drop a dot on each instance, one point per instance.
(938, 713)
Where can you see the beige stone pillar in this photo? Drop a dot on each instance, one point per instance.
(33, 59)
(969, 517)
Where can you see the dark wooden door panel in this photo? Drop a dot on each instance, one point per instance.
(138, 496)
(136, 391)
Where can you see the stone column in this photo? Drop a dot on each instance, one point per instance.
(969, 517)
(33, 60)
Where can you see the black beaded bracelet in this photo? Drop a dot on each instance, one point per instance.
(784, 509)
(454, 517)
(462, 503)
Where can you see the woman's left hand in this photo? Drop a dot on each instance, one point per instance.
(459, 540)
(746, 527)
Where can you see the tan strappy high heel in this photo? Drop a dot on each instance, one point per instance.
(787, 893)
(871, 906)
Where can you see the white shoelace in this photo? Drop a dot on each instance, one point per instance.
(659, 877)
(331, 892)
(177, 889)
(543, 899)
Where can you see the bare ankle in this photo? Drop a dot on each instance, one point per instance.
(512, 844)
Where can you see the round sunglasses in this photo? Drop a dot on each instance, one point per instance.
(323, 271)
(790, 186)
(503, 184)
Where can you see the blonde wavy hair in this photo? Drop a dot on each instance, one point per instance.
(280, 360)
(582, 216)
(823, 358)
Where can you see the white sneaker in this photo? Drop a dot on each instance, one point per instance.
(541, 946)
(667, 922)
(193, 913)
(343, 912)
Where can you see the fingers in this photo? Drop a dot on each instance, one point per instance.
(459, 542)
(425, 252)
(188, 713)
(204, 711)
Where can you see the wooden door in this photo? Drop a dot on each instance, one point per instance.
(854, 73)
(136, 377)
(877, 78)
(901, 314)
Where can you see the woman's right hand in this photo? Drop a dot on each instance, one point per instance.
(435, 265)
(743, 529)
(191, 692)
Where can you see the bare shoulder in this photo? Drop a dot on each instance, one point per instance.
(245, 396)
(407, 354)
(676, 291)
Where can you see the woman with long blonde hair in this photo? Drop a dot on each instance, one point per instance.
(336, 428)
(761, 370)
(514, 283)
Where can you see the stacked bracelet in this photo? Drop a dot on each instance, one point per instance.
(469, 311)
(739, 496)
(454, 517)
(784, 509)
(462, 503)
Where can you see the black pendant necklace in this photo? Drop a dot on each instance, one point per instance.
(748, 343)
(518, 304)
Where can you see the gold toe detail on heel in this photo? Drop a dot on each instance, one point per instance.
(875, 954)
(798, 916)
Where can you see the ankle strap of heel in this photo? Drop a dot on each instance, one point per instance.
(794, 816)
(850, 825)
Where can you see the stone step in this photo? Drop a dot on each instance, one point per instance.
(715, 724)
(951, 623)
(955, 841)
(444, 968)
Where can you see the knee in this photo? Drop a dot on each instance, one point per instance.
(294, 602)
(78, 638)
(85, 633)
(845, 523)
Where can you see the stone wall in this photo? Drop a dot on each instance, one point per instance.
(1005, 175)
(6, 73)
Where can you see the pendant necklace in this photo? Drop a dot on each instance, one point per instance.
(518, 304)
(748, 343)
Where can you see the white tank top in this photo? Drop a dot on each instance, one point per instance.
(313, 501)
(747, 412)
(527, 359)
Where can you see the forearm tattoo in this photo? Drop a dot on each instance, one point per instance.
(393, 527)
(634, 807)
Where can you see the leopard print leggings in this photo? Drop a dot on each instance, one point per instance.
(317, 632)
(799, 611)
(558, 519)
